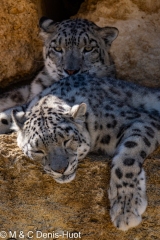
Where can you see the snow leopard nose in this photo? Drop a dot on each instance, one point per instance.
(62, 170)
(71, 72)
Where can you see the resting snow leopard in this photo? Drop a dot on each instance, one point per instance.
(82, 114)
(70, 47)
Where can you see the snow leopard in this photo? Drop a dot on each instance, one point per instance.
(82, 114)
(70, 47)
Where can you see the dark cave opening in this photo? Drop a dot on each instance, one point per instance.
(59, 10)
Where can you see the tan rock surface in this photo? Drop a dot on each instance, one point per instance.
(136, 51)
(32, 201)
(21, 49)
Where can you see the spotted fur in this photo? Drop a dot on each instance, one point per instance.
(70, 47)
(82, 114)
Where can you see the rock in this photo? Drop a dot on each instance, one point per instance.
(21, 48)
(136, 51)
(32, 201)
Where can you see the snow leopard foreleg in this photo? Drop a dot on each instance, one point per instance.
(127, 192)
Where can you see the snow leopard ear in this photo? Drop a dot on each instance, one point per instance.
(78, 112)
(109, 34)
(47, 26)
(18, 119)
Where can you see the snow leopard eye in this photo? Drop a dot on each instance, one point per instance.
(88, 49)
(70, 145)
(39, 152)
(36, 155)
(67, 142)
(58, 49)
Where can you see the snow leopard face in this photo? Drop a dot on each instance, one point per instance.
(76, 46)
(53, 136)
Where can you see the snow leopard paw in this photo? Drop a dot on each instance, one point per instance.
(127, 201)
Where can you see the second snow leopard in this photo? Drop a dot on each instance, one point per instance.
(80, 114)
(70, 47)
